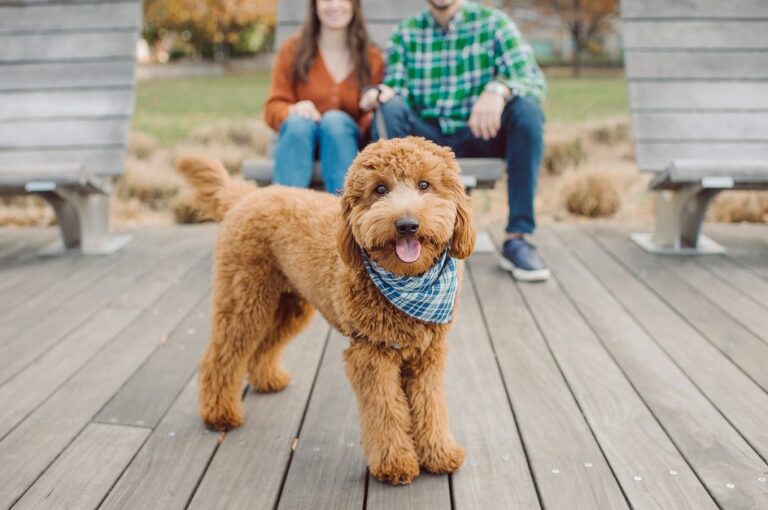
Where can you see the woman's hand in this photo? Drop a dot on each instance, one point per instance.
(374, 95)
(305, 109)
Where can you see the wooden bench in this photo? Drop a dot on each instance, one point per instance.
(697, 76)
(66, 100)
(381, 18)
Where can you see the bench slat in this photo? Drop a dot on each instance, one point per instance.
(63, 133)
(70, 17)
(693, 9)
(732, 126)
(656, 157)
(730, 65)
(98, 160)
(67, 46)
(294, 10)
(696, 34)
(51, 76)
(74, 103)
(698, 95)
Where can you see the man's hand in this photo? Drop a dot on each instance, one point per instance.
(305, 109)
(381, 94)
(485, 119)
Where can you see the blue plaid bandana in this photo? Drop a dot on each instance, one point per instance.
(428, 297)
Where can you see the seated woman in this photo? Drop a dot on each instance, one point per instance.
(314, 99)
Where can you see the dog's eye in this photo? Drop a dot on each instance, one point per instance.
(381, 189)
(423, 185)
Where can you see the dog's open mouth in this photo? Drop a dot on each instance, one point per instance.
(408, 249)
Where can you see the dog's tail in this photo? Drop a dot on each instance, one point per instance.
(215, 192)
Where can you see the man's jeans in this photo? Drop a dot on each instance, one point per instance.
(338, 138)
(519, 141)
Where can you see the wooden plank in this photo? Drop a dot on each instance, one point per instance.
(151, 390)
(47, 17)
(740, 277)
(693, 9)
(49, 76)
(98, 160)
(554, 432)
(728, 298)
(63, 133)
(495, 473)
(69, 103)
(699, 64)
(737, 397)
(328, 468)
(427, 492)
(36, 442)
(25, 391)
(730, 337)
(238, 476)
(86, 470)
(698, 34)
(701, 126)
(684, 95)
(711, 446)
(622, 424)
(746, 245)
(26, 343)
(657, 156)
(170, 464)
(67, 46)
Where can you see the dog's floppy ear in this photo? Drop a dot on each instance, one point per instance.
(463, 242)
(348, 249)
(464, 235)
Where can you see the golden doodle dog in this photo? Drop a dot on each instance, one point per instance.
(283, 252)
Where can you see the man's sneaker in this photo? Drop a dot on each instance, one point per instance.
(520, 258)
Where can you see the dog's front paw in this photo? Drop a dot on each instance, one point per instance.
(222, 419)
(445, 458)
(395, 469)
(269, 380)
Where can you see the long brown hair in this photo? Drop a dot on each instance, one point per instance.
(357, 40)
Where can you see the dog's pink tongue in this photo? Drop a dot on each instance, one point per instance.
(408, 249)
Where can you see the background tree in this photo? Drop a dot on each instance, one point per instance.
(219, 23)
(584, 19)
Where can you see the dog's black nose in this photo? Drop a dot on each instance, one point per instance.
(407, 226)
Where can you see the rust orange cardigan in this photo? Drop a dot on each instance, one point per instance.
(319, 87)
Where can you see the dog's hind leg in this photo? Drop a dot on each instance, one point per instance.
(266, 373)
(244, 309)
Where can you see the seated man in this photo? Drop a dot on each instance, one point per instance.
(460, 74)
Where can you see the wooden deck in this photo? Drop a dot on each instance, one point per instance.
(626, 382)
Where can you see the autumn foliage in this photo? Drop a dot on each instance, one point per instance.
(208, 21)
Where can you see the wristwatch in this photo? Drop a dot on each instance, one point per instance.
(495, 87)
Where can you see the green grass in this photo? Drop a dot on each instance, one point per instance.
(586, 99)
(168, 109)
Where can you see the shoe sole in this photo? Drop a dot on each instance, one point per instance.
(538, 275)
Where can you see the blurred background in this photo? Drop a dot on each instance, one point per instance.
(204, 70)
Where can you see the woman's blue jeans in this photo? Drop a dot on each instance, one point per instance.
(520, 141)
(335, 139)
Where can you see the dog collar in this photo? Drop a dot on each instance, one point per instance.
(428, 297)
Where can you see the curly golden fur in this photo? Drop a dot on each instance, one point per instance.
(281, 253)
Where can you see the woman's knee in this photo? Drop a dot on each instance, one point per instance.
(296, 126)
(336, 122)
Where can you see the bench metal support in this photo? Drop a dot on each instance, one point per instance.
(679, 216)
(84, 222)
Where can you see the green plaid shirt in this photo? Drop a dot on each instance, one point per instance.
(441, 73)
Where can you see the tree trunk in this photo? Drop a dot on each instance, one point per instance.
(577, 38)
